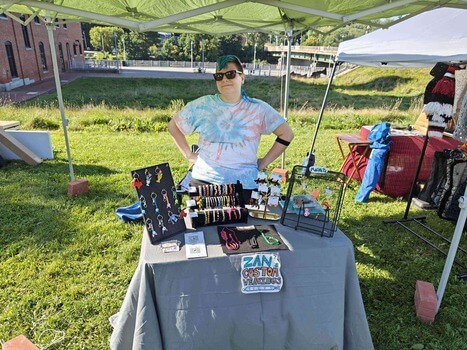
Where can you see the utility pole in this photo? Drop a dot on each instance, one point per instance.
(191, 45)
(202, 55)
(254, 58)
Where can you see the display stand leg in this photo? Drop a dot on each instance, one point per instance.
(417, 173)
(418, 220)
(453, 248)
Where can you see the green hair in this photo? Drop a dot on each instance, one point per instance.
(223, 61)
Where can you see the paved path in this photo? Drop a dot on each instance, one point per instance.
(28, 92)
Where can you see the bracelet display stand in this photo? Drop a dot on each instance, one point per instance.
(314, 200)
(158, 201)
(217, 204)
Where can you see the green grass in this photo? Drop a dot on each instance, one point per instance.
(65, 263)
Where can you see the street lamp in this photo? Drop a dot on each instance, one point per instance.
(191, 45)
(254, 58)
(202, 55)
(115, 43)
(124, 51)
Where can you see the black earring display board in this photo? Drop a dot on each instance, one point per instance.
(249, 239)
(159, 202)
(314, 200)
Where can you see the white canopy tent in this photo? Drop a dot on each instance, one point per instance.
(434, 36)
(439, 35)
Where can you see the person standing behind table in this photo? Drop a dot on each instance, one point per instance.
(230, 125)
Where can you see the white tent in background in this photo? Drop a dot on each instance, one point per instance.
(434, 36)
(438, 35)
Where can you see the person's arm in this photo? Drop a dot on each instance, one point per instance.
(285, 135)
(181, 142)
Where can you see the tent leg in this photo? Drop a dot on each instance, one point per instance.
(287, 86)
(453, 248)
(323, 106)
(50, 26)
(417, 173)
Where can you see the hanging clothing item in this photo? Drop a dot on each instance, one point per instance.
(460, 106)
(380, 135)
(440, 101)
(373, 171)
(456, 180)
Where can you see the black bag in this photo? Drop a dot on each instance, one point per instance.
(456, 180)
(431, 192)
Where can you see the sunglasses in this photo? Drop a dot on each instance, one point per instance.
(231, 74)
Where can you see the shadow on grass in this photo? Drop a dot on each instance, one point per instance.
(397, 259)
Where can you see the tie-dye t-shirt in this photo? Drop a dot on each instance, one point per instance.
(229, 136)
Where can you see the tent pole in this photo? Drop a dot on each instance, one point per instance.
(323, 106)
(453, 248)
(50, 27)
(287, 85)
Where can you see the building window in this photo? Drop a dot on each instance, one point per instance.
(68, 52)
(43, 58)
(80, 48)
(24, 28)
(11, 59)
(65, 25)
(74, 49)
(56, 23)
(3, 16)
(37, 20)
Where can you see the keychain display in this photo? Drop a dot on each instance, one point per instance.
(158, 200)
(314, 200)
(216, 204)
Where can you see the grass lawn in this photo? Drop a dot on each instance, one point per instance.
(65, 263)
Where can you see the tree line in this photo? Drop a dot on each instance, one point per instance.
(115, 42)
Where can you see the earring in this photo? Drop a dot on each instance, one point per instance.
(136, 182)
(154, 202)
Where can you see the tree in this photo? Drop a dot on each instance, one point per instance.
(105, 38)
(138, 45)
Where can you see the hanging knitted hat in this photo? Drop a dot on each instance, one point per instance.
(438, 73)
(439, 107)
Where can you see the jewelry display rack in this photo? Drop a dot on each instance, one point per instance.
(314, 200)
(158, 201)
(217, 204)
(267, 194)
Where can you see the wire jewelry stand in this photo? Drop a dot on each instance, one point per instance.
(420, 220)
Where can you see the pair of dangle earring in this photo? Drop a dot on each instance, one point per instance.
(154, 202)
(150, 227)
(136, 182)
(173, 218)
(159, 174)
(160, 219)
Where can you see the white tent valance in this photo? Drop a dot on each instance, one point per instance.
(438, 35)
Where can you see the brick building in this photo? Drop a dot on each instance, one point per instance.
(25, 55)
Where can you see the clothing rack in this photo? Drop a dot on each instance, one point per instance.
(420, 220)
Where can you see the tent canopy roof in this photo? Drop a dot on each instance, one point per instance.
(439, 35)
(223, 17)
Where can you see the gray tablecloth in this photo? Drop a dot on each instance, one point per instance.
(175, 303)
